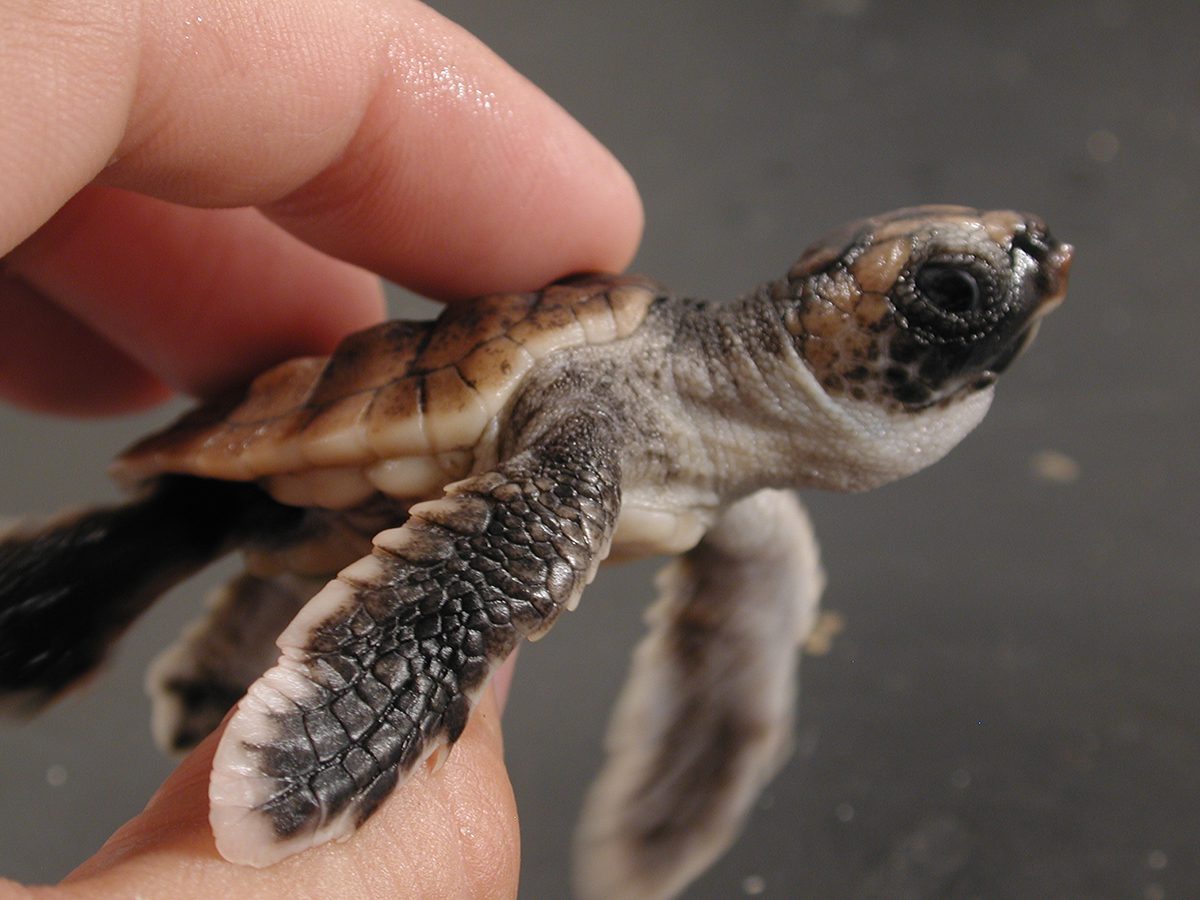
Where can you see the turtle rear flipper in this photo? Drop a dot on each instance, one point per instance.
(196, 681)
(705, 718)
(382, 667)
(70, 588)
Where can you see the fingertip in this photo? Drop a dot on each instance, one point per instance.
(449, 833)
(465, 178)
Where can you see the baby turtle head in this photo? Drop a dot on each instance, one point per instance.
(922, 306)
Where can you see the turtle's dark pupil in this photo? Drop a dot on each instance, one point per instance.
(950, 288)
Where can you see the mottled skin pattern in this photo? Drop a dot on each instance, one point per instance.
(867, 330)
(600, 414)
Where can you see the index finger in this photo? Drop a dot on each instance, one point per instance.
(379, 132)
(446, 833)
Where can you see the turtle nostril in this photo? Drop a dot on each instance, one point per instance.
(1036, 244)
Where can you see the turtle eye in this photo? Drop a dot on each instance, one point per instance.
(949, 287)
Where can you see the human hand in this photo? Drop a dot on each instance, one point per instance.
(373, 131)
(446, 834)
(192, 193)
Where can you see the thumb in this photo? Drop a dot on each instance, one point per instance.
(450, 833)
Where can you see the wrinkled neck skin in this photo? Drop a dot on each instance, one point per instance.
(764, 419)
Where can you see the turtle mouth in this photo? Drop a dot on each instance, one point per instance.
(1056, 269)
(1016, 347)
(1054, 266)
(1052, 260)
(986, 377)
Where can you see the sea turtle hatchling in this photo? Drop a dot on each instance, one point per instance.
(493, 458)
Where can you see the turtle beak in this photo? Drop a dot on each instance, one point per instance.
(1053, 261)
(1030, 334)
(1056, 266)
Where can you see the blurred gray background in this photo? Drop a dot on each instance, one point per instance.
(1012, 707)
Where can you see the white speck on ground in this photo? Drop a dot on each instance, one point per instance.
(1054, 466)
(753, 885)
(820, 639)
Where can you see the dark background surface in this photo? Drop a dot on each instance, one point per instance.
(1012, 708)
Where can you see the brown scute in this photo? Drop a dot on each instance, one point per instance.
(447, 394)
(458, 416)
(278, 391)
(567, 295)
(596, 316)
(821, 355)
(871, 310)
(552, 327)
(630, 299)
(1002, 224)
(394, 390)
(489, 365)
(464, 326)
(906, 222)
(189, 430)
(843, 328)
(366, 360)
(334, 436)
(877, 269)
(400, 398)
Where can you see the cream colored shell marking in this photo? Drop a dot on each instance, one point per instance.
(399, 408)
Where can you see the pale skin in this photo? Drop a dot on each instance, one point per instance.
(195, 191)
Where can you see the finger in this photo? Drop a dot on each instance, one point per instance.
(448, 834)
(378, 131)
(202, 298)
(52, 362)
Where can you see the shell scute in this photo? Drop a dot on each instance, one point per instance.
(460, 416)
(395, 421)
(395, 391)
(596, 318)
(629, 299)
(550, 327)
(367, 360)
(492, 366)
(464, 326)
(279, 390)
(334, 435)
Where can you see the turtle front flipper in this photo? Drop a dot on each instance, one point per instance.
(704, 720)
(197, 680)
(383, 666)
